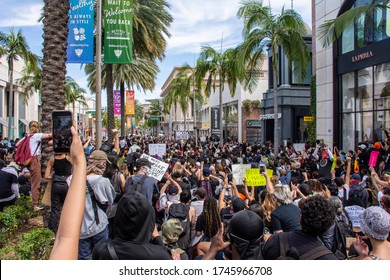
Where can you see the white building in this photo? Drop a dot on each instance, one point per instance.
(26, 109)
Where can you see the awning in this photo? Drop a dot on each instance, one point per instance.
(25, 122)
(3, 122)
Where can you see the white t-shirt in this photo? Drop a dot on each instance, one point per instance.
(341, 192)
(34, 140)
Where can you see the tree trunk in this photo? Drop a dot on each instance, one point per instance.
(276, 104)
(220, 117)
(55, 37)
(11, 100)
(123, 110)
(110, 103)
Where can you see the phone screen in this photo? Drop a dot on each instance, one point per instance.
(62, 136)
(262, 168)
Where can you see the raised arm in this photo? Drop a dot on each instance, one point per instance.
(348, 173)
(49, 168)
(269, 186)
(68, 234)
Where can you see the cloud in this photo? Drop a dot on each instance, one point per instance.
(20, 13)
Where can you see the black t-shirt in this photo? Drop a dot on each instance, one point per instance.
(286, 217)
(298, 239)
(3, 153)
(6, 181)
(184, 185)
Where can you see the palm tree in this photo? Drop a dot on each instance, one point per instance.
(74, 93)
(155, 109)
(169, 100)
(218, 68)
(331, 30)
(141, 74)
(278, 33)
(14, 46)
(30, 81)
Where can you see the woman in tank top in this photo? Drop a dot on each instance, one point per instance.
(62, 168)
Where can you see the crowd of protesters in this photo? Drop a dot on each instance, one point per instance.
(320, 202)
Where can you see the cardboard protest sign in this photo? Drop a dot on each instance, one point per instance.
(255, 179)
(238, 171)
(157, 149)
(158, 169)
(354, 213)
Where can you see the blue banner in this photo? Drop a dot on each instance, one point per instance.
(80, 38)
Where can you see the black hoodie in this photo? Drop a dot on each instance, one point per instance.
(134, 225)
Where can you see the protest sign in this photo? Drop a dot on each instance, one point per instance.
(373, 158)
(354, 213)
(238, 171)
(157, 149)
(182, 135)
(158, 168)
(255, 179)
(202, 139)
(299, 147)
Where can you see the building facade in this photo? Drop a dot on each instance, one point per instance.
(353, 89)
(26, 107)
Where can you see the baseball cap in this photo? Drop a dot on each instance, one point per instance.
(206, 172)
(237, 204)
(143, 162)
(362, 146)
(375, 222)
(356, 177)
(99, 155)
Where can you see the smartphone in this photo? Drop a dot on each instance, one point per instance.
(62, 136)
(262, 168)
(230, 177)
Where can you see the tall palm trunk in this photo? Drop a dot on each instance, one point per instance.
(177, 127)
(220, 117)
(123, 110)
(55, 37)
(11, 108)
(110, 102)
(276, 103)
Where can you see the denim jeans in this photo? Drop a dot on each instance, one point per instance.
(86, 245)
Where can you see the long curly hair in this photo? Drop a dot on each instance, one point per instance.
(268, 206)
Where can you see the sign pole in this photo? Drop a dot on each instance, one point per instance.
(98, 103)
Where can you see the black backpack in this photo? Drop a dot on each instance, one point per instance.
(341, 231)
(116, 183)
(181, 212)
(136, 186)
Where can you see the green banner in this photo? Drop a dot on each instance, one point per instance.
(118, 27)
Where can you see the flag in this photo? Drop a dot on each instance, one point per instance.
(356, 166)
(118, 27)
(130, 110)
(117, 102)
(80, 36)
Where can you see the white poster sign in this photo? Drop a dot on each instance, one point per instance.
(202, 139)
(182, 135)
(157, 149)
(158, 168)
(354, 213)
(238, 171)
(299, 147)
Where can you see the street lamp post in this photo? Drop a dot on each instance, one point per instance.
(98, 103)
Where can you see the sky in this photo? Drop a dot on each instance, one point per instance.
(196, 23)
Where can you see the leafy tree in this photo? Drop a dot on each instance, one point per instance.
(14, 46)
(74, 93)
(283, 32)
(218, 68)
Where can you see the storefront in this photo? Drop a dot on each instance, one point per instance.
(362, 79)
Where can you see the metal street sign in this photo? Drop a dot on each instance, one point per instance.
(253, 123)
(308, 118)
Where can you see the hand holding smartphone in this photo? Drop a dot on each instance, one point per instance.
(62, 136)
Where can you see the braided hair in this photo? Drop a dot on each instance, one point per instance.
(212, 216)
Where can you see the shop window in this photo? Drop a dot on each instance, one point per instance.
(348, 132)
(348, 39)
(381, 121)
(364, 90)
(364, 127)
(348, 92)
(382, 86)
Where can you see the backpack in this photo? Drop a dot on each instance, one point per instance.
(132, 185)
(181, 212)
(206, 185)
(116, 183)
(286, 251)
(341, 231)
(23, 153)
